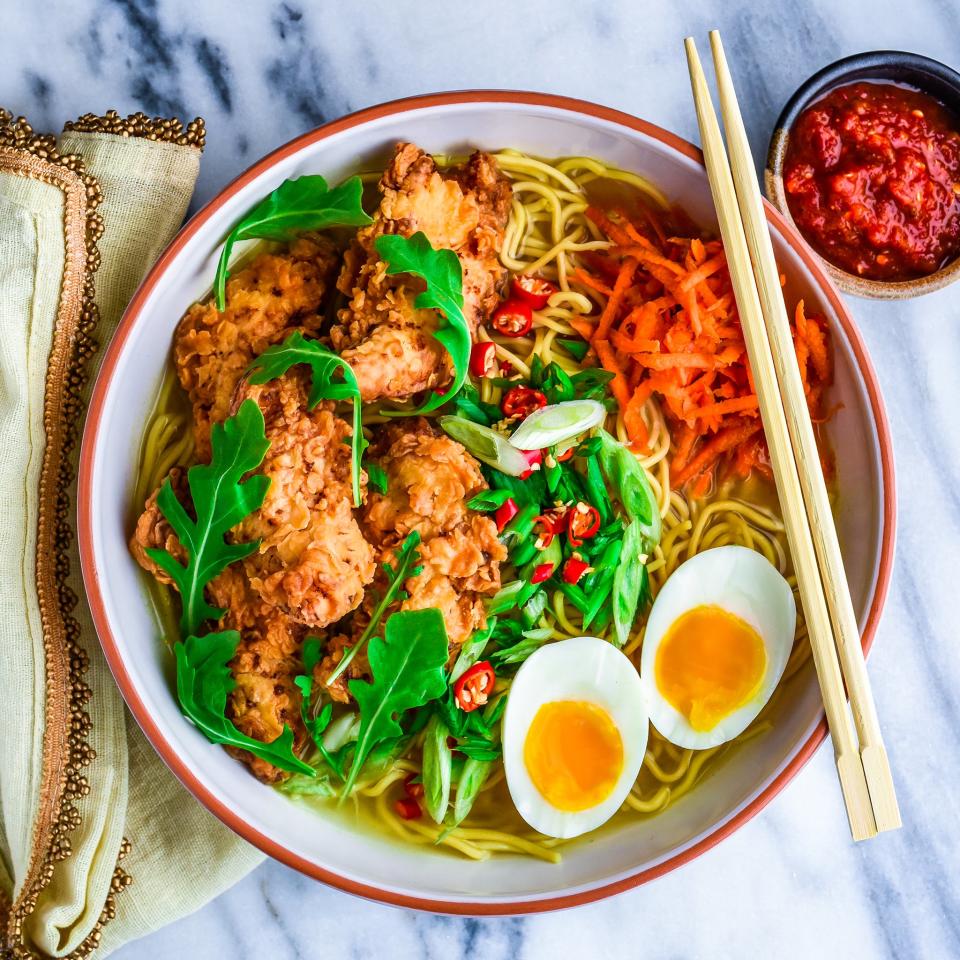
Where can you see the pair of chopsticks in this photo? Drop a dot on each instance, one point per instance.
(861, 757)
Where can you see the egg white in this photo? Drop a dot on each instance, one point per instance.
(744, 583)
(586, 669)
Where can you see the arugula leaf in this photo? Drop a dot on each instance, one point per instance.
(324, 365)
(376, 477)
(468, 405)
(295, 206)
(220, 501)
(406, 564)
(317, 725)
(408, 671)
(204, 682)
(444, 276)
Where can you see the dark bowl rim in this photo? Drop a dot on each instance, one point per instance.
(834, 74)
(916, 68)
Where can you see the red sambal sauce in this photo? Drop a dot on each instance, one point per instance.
(872, 179)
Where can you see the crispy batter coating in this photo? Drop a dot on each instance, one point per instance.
(268, 657)
(430, 477)
(385, 339)
(313, 562)
(267, 300)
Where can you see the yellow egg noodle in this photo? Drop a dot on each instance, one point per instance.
(547, 228)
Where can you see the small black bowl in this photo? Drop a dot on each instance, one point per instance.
(926, 75)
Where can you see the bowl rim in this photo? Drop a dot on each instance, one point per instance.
(877, 65)
(151, 729)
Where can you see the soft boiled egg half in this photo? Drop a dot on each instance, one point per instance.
(716, 644)
(574, 735)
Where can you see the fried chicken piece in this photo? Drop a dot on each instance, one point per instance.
(153, 531)
(268, 657)
(267, 300)
(430, 477)
(389, 343)
(313, 562)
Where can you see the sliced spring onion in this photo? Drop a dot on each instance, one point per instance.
(628, 583)
(505, 598)
(341, 731)
(518, 530)
(625, 474)
(550, 426)
(471, 650)
(472, 777)
(487, 445)
(437, 764)
(524, 552)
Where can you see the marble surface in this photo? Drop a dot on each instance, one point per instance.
(790, 884)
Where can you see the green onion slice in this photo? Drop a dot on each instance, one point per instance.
(487, 445)
(553, 425)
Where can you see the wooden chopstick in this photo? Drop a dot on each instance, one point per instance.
(785, 469)
(820, 518)
(846, 634)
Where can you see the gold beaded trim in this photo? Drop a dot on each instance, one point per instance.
(166, 129)
(66, 722)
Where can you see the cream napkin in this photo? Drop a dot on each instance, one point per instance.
(99, 843)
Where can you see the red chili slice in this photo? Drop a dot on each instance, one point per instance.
(513, 318)
(583, 522)
(541, 572)
(574, 570)
(407, 808)
(473, 689)
(411, 789)
(522, 401)
(533, 290)
(534, 458)
(549, 531)
(505, 513)
(483, 359)
(567, 454)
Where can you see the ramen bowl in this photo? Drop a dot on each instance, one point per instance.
(329, 846)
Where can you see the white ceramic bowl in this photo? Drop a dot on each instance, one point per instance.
(323, 847)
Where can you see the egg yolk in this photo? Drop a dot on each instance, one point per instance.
(573, 753)
(710, 663)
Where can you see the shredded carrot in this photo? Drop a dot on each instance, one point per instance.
(634, 422)
(669, 361)
(627, 269)
(588, 280)
(669, 329)
(608, 357)
(734, 405)
(727, 439)
(707, 269)
(634, 345)
(583, 326)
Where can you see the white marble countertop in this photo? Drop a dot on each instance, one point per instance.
(790, 884)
